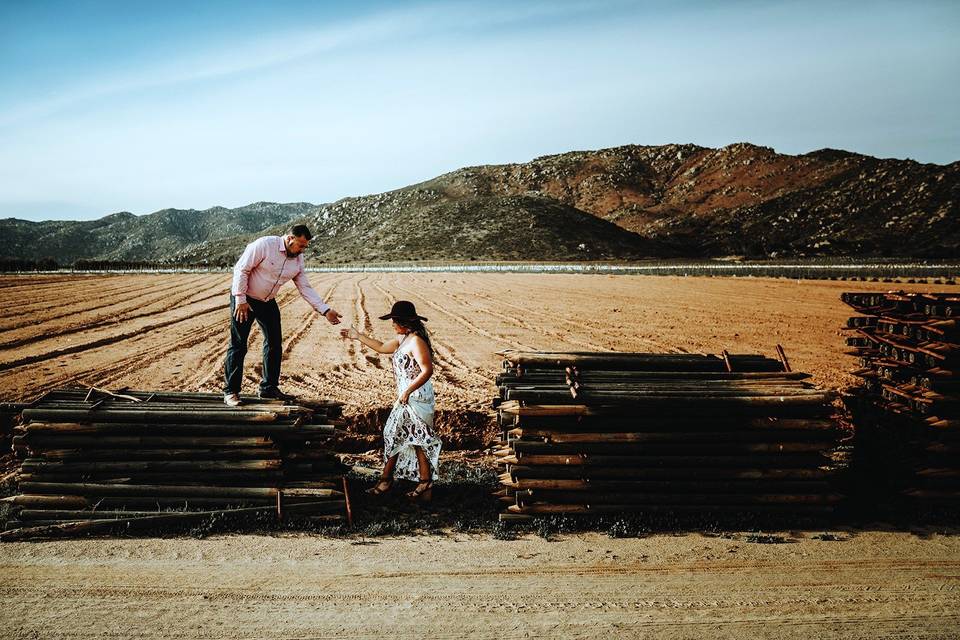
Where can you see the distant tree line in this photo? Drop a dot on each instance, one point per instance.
(116, 265)
(134, 265)
(9, 265)
(22, 264)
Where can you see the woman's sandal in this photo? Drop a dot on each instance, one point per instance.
(377, 491)
(423, 492)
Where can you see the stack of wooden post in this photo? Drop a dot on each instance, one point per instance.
(92, 460)
(908, 413)
(9, 413)
(678, 433)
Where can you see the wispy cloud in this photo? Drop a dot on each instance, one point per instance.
(322, 100)
(260, 52)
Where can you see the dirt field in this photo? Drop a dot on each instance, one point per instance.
(874, 585)
(169, 332)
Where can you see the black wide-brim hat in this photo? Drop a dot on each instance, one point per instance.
(402, 310)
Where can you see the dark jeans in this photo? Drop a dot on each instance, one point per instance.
(267, 315)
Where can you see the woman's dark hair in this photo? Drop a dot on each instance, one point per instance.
(415, 325)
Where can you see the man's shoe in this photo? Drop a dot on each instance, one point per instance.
(231, 399)
(276, 394)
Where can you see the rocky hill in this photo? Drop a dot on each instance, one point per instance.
(627, 202)
(124, 236)
(422, 224)
(742, 199)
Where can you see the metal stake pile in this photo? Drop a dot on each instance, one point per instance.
(678, 433)
(93, 460)
(908, 414)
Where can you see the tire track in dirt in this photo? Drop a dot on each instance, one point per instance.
(79, 308)
(101, 342)
(16, 282)
(373, 358)
(525, 325)
(477, 601)
(656, 345)
(96, 324)
(121, 368)
(75, 298)
(362, 359)
(37, 291)
(354, 348)
(103, 375)
(193, 337)
(80, 288)
(362, 308)
(356, 379)
(696, 567)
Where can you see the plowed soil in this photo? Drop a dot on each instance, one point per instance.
(170, 332)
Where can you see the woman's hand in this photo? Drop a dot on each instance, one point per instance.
(404, 397)
(350, 334)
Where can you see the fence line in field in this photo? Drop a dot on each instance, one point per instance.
(798, 270)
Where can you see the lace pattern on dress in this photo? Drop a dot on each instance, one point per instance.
(411, 425)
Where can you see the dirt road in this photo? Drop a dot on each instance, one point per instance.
(871, 585)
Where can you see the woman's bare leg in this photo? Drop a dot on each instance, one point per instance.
(423, 465)
(386, 478)
(424, 487)
(387, 474)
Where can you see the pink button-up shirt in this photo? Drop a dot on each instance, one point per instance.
(264, 267)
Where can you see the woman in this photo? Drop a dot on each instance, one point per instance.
(411, 451)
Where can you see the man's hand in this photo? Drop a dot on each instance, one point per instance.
(242, 312)
(332, 316)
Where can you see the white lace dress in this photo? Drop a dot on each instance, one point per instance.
(411, 425)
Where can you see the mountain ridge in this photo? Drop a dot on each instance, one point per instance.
(621, 203)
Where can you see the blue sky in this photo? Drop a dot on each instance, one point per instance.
(137, 106)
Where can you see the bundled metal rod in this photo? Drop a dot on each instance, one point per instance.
(677, 410)
(98, 525)
(668, 486)
(680, 438)
(639, 361)
(121, 456)
(130, 428)
(602, 375)
(907, 409)
(252, 414)
(607, 432)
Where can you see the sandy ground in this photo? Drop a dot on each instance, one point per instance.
(873, 585)
(169, 332)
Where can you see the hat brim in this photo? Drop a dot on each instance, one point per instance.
(390, 316)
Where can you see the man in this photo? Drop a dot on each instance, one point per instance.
(266, 264)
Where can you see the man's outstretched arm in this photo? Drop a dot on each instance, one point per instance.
(313, 298)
